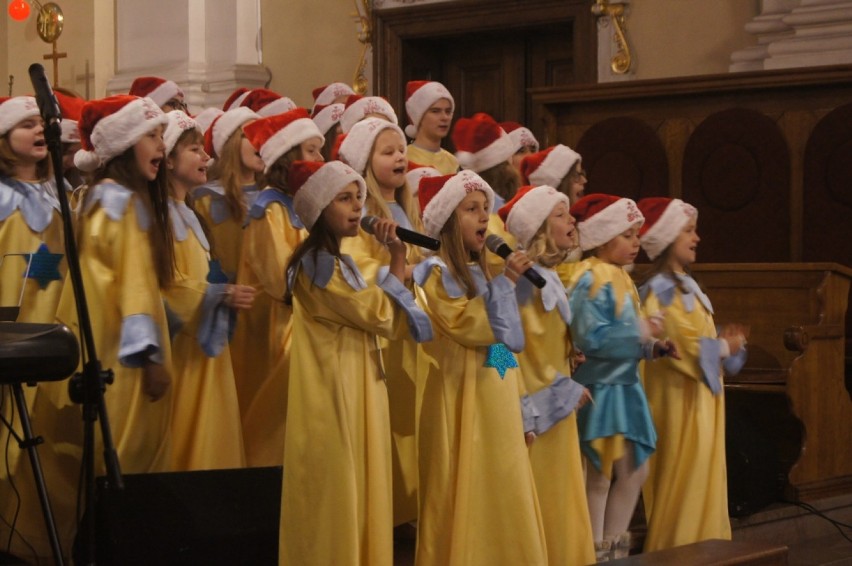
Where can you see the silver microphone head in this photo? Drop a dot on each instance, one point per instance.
(367, 223)
(493, 241)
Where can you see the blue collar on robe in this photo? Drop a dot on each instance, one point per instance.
(664, 288)
(267, 197)
(451, 285)
(321, 270)
(36, 201)
(219, 211)
(114, 199)
(553, 294)
(184, 218)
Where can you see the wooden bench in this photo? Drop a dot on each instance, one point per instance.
(711, 552)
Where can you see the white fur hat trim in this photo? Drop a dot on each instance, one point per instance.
(667, 228)
(178, 123)
(359, 109)
(287, 138)
(555, 166)
(228, 123)
(165, 92)
(523, 137)
(328, 116)
(421, 100)
(444, 203)
(609, 223)
(531, 210)
(358, 143)
(15, 110)
(499, 151)
(321, 188)
(277, 106)
(412, 178)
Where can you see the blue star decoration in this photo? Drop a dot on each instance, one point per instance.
(44, 266)
(500, 358)
(216, 274)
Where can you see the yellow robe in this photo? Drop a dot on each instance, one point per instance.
(261, 345)
(399, 362)
(686, 491)
(206, 431)
(496, 226)
(226, 231)
(121, 291)
(442, 160)
(555, 454)
(478, 503)
(336, 500)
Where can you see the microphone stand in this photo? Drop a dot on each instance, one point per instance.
(88, 386)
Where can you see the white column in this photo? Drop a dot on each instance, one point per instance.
(208, 47)
(822, 36)
(769, 26)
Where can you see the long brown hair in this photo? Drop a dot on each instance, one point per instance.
(662, 266)
(454, 254)
(319, 238)
(8, 161)
(276, 177)
(503, 178)
(189, 137)
(155, 195)
(230, 165)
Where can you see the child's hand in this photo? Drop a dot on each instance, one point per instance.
(666, 348)
(517, 263)
(585, 399)
(239, 296)
(577, 359)
(155, 381)
(736, 335)
(657, 324)
(529, 438)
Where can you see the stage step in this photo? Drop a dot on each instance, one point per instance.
(712, 553)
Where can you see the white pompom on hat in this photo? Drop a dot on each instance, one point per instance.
(325, 95)
(439, 197)
(528, 210)
(157, 89)
(550, 166)
(275, 135)
(357, 146)
(419, 97)
(315, 184)
(178, 123)
(521, 135)
(360, 107)
(327, 116)
(16, 109)
(481, 143)
(601, 217)
(664, 220)
(109, 126)
(223, 127)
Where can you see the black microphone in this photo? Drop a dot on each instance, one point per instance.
(46, 100)
(498, 245)
(407, 236)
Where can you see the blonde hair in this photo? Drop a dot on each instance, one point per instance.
(542, 248)
(454, 254)
(230, 164)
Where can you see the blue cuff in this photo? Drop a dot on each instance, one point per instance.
(555, 402)
(419, 324)
(503, 315)
(733, 364)
(708, 360)
(215, 324)
(140, 341)
(528, 413)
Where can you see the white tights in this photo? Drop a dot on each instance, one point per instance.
(611, 504)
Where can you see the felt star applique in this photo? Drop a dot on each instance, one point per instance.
(500, 358)
(44, 266)
(215, 274)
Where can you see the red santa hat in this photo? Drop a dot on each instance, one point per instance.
(359, 107)
(419, 97)
(325, 95)
(236, 98)
(528, 210)
(521, 135)
(178, 123)
(417, 172)
(224, 127)
(327, 116)
(276, 135)
(267, 103)
(206, 117)
(601, 217)
(439, 197)
(550, 166)
(14, 110)
(109, 126)
(157, 89)
(357, 146)
(664, 220)
(71, 107)
(481, 143)
(315, 184)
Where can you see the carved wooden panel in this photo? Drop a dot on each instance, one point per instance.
(736, 171)
(624, 157)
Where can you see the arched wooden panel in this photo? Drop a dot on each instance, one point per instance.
(623, 156)
(736, 171)
(827, 202)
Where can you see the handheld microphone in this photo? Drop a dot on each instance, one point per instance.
(407, 236)
(498, 245)
(46, 100)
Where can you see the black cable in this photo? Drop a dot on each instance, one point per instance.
(839, 525)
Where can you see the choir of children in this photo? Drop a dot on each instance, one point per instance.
(507, 421)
